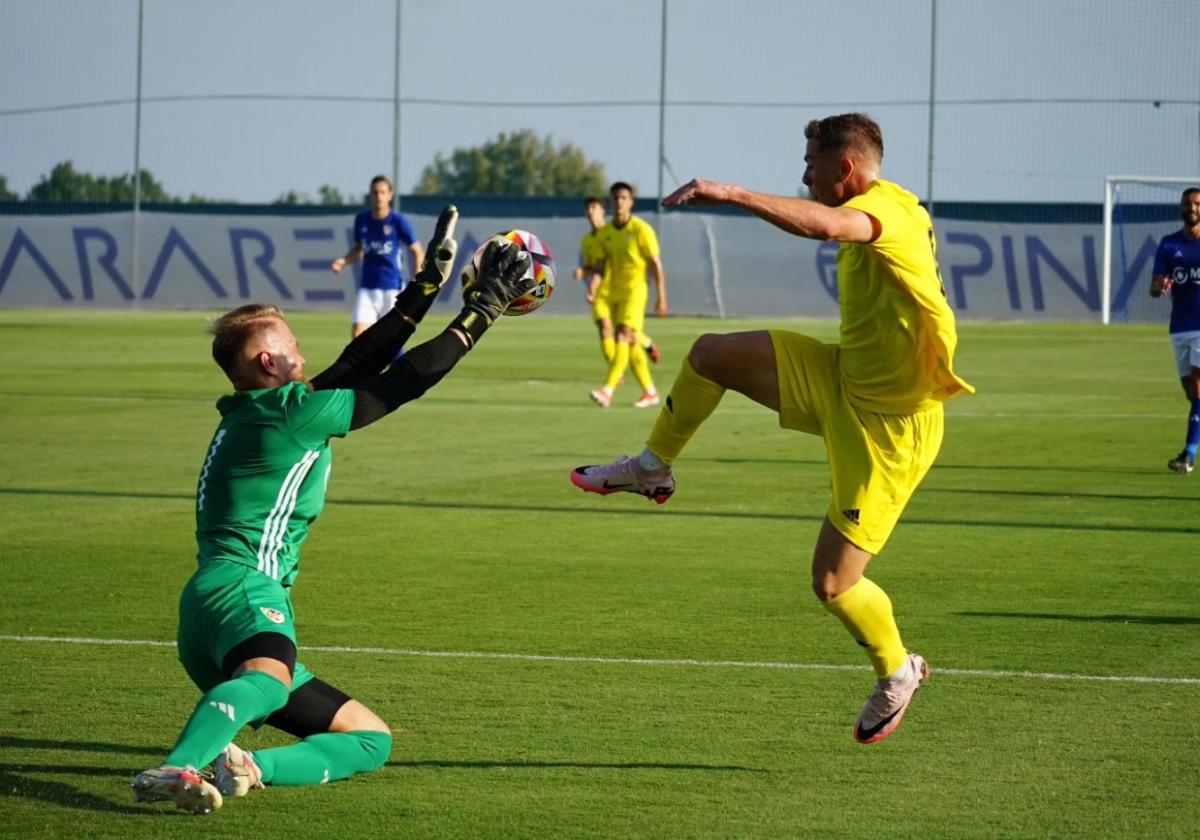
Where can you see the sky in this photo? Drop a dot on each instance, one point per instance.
(1034, 100)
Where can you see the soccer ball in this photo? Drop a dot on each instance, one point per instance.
(541, 268)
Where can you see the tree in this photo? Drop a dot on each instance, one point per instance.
(331, 196)
(327, 196)
(5, 195)
(65, 185)
(516, 164)
(292, 198)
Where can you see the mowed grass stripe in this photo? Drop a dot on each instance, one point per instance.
(434, 402)
(607, 660)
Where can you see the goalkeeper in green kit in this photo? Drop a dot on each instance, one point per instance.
(261, 484)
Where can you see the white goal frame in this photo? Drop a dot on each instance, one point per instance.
(1110, 191)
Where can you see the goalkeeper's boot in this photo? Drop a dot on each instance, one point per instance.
(185, 786)
(235, 772)
(1182, 463)
(626, 475)
(889, 700)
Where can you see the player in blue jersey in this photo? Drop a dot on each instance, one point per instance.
(379, 234)
(261, 486)
(1177, 270)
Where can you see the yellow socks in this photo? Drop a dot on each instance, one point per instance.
(692, 399)
(641, 368)
(607, 346)
(616, 368)
(866, 611)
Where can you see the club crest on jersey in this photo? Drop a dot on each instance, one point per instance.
(272, 615)
(387, 230)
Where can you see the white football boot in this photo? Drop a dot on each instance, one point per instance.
(889, 700)
(184, 786)
(627, 475)
(235, 772)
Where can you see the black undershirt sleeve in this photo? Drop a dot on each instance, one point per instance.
(368, 354)
(407, 379)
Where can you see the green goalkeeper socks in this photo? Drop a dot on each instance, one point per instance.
(222, 712)
(324, 758)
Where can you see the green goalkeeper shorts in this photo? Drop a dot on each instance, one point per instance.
(222, 605)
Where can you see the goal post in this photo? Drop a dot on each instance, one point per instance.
(1138, 211)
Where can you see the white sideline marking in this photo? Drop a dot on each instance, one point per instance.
(600, 660)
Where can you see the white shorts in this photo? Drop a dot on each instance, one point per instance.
(1187, 352)
(372, 304)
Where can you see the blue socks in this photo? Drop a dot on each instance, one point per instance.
(1193, 430)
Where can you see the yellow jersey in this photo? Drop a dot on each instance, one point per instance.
(627, 252)
(591, 252)
(897, 332)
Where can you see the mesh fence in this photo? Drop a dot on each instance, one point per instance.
(251, 101)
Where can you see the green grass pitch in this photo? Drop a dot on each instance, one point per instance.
(619, 684)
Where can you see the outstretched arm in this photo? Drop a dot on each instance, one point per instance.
(371, 351)
(409, 378)
(502, 279)
(798, 216)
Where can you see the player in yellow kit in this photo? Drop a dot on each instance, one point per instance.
(630, 247)
(592, 271)
(875, 397)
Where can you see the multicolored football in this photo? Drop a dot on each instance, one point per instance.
(541, 268)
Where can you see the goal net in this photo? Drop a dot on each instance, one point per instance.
(1138, 212)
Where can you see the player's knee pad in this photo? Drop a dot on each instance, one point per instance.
(376, 747)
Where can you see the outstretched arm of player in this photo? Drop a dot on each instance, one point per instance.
(503, 277)
(798, 216)
(378, 345)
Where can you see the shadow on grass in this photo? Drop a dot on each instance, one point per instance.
(1053, 494)
(573, 765)
(12, 742)
(20, 779)
(1102, 619)
(611, 508)
(1061, 469)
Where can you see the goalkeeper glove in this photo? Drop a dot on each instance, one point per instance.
(435, 269)
(504, 275)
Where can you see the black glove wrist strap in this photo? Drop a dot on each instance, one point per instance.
(472, 323)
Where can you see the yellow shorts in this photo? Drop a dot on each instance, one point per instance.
(627, 309)
(601, 311)
(876, 461)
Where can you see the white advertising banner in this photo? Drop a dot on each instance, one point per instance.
(715, 264)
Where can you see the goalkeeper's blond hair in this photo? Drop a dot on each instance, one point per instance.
(233, 331)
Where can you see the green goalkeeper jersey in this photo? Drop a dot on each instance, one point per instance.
(264, 476)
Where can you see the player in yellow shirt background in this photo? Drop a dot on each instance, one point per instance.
(629, 246)
(591, 270)
(875, 397)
